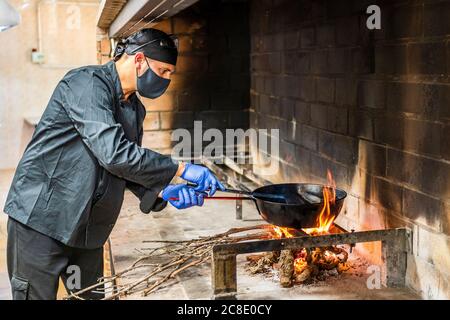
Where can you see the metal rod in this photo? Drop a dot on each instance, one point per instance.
(219, 198)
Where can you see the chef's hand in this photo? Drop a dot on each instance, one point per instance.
(202, 177)
(181, 196)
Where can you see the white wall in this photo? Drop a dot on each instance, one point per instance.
(68, 39)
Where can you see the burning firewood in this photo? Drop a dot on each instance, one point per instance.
(301, 266)
(306, 274)
(341, 267)
(253, 258)
(286, 267)
(261, 263)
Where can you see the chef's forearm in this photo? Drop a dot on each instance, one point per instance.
(181, 167)
(180, 170)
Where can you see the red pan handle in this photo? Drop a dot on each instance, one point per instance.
(221, 198)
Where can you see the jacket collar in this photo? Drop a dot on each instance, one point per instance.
(111, 67)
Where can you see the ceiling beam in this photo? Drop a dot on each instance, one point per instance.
(108, 11)
(138, 14)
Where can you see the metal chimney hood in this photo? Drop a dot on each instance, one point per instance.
(131, 16)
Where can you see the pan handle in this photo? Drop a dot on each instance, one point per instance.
(250, 194)
(247, 193)
(229, 198)
(221, 198)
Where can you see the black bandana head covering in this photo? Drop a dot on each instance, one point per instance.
(153, 43)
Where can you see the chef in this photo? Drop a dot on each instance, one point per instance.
(69, 185)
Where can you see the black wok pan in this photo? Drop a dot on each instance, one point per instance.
(298, 207)
(302, 208)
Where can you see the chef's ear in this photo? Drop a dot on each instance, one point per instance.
(139, 61)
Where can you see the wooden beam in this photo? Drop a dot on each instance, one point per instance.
(108, 11)
(139, 14)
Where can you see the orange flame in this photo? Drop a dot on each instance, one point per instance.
(281, 232)
(324, 222)
(326, 217)
(300, 261)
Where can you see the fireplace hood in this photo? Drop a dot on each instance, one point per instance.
(122, 18)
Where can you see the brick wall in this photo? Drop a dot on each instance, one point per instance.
(212, 79)
(371, 106)
(103, 46)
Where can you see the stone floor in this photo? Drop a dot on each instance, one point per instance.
(214, 217)
(133, 227)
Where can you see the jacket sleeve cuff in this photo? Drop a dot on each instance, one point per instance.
(151, 202)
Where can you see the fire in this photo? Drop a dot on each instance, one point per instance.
(300, 261)
(324, 222)
(326, 217)
(300, 258)
(281, 232)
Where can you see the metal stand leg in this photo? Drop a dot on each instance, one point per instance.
(224, 276)
(238, 209)
(394, 255)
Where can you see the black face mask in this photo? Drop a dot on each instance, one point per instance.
(150, 85)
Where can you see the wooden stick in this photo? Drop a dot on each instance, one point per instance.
(182, 254)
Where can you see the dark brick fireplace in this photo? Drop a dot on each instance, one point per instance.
(372, 106)
(212, 79)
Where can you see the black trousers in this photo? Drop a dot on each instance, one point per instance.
(36, 262)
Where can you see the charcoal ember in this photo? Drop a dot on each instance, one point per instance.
(341, 267)
(341, 254)
(321, 276)
(331, 273)
(305, 275)
(324, 258)
(286, 268)
(273, 256)
(302, 266)
(316, 255)
(254, 258)
(329, 264)
(258, 267)
(261, 263)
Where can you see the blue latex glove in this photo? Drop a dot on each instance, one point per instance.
(181, 196)
(202, 177)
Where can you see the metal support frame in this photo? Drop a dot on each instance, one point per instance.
(238, 209)
(395, 245)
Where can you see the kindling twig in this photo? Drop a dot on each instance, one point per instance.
(177, 255)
